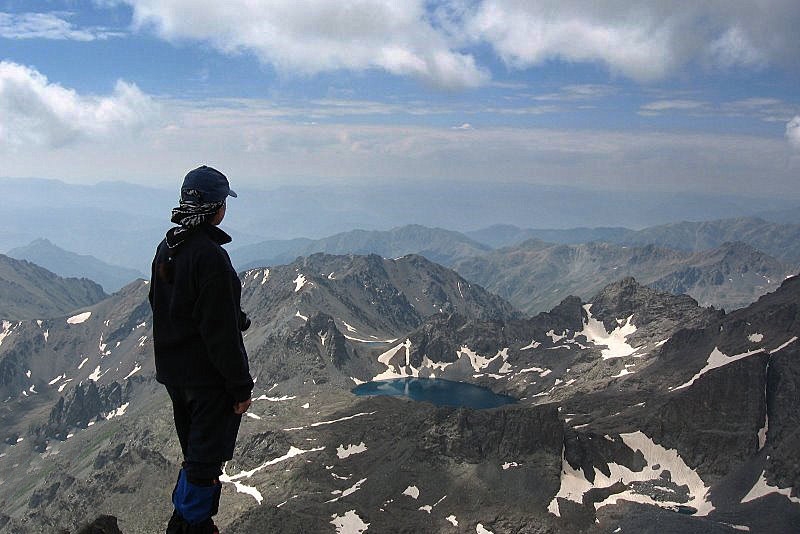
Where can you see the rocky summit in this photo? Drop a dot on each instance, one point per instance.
(638, 411)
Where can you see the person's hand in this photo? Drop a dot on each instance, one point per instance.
(240, 407)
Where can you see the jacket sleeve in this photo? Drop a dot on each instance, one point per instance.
(216, 314)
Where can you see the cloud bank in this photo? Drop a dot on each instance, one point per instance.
(435, 41)
(643, 40)
(311, 36)
(262, 149)
(34, 111)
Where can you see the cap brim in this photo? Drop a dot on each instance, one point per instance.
(232, 193)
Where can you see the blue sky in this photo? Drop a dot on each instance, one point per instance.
(658, 94)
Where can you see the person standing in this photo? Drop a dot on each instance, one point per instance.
(195, 295)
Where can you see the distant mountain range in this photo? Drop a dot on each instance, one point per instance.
(535, 276)
(505, 235)
(779, 240)
(636, 408)
(28, 291)
(120, 223)
(68, 264)
(436, 244)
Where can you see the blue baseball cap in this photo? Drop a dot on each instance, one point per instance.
(212, 185)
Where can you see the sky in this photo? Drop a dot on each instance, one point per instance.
(617, 94)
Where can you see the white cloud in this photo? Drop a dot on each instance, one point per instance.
(36, 111)
(793, 132)
(734, 48)
(660, 106)
(47, 26)
(312, 36)
(644, 40)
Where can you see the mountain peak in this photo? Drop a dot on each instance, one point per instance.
(627, 297)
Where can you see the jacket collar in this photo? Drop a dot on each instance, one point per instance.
(177, 235)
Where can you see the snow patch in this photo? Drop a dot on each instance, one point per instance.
(300, 315)
(480, 363)
(359, 340)
(136, 369)
(8, 327)
(349, 491)
(80, 318)
(480, 529)
(96, 374)
(299, 282)
(554, 337)
(755, 338)
(402, 370)
(715, 360)
(56, 379)
(762, 488)
(574, 484)
(275, 399)
(349, 328)
(773, 351)
(412, 491)
(452, 519)
(534, 344)
(62, 386)
(323, 423)
(264, 278)
(616, 346)
(622, 373)
(118, 412)
(349, 523)
(344, 452)
(250, 490)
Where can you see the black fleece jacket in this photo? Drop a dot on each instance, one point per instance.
(195, 295)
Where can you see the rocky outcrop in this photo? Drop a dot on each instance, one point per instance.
(648, 306)
(82, 406)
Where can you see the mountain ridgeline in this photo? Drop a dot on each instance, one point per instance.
(535, 275)
(28, 291)
(725, 263)
(68, 264)
(636, 408)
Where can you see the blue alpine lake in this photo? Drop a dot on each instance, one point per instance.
(437, 391)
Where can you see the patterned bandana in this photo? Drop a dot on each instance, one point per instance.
(192, 211)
